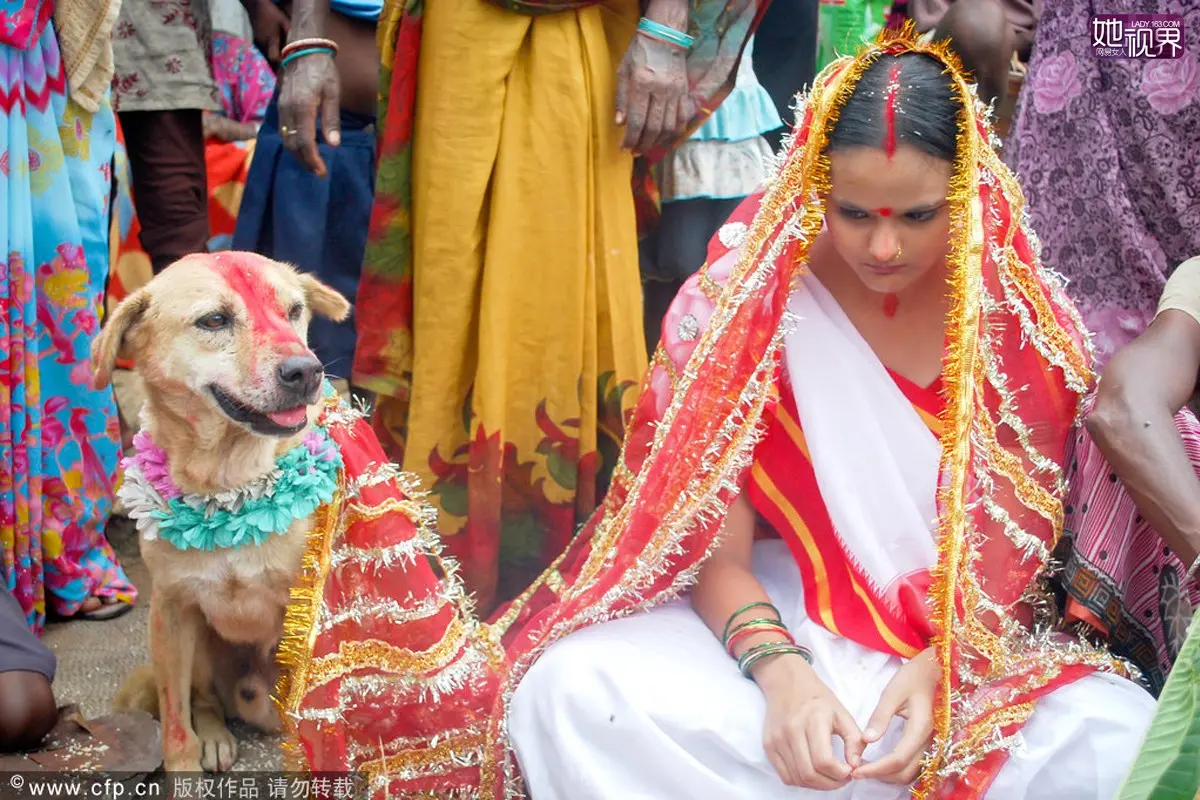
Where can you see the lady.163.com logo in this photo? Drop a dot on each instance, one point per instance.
(1138, 36)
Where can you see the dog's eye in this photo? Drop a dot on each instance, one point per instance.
(295, 312)
(213, 322)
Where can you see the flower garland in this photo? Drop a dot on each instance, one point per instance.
(303, 478)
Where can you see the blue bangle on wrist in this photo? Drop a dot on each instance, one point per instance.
(665, 34)
(307, 51)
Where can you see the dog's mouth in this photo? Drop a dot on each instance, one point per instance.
(281, 422)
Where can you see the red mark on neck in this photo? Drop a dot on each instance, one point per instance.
(890, 304)
(262, 303)
(889, 111)
(883, 212)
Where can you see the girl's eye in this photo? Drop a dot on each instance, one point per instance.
(214, 322)
(921, 216)
(852, 213)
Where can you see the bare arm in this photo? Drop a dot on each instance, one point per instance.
(726, 582)
(803, 716)
(308, 86)
(309, 19)
(1142, 389)
(228, 130)
(270, 26)
(652, 83)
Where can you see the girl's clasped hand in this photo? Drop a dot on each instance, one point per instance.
(803, 717)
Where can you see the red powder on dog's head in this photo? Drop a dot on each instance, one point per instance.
(889, 111)
(267, 319)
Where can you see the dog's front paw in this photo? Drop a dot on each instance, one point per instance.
(218, 749)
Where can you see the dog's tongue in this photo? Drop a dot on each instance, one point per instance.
(290, 418)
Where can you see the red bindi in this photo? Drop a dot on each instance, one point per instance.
(889, 111)
(883, 212)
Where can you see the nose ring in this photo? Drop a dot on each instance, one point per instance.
(899, 252)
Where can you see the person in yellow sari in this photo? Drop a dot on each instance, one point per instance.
(499, 311)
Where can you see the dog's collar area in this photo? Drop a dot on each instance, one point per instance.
(257, 421)
(303, 479)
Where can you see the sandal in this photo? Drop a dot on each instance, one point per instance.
(109, 608)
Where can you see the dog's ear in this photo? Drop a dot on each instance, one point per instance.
(107, 347)
(323, 300)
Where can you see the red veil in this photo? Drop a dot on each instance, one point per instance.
(390, 674)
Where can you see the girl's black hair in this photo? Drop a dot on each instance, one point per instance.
(926, 107)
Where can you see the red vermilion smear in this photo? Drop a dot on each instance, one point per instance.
(889, 111)
(890, 304)
(883, 212)
(262, 304)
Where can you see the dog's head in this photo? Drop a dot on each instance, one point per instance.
(229, 328)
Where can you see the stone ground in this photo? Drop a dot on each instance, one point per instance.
(94, 658)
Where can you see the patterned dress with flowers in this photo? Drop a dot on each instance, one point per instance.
(58, 435)
(1106, 151)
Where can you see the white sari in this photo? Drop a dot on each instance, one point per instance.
(651, 706)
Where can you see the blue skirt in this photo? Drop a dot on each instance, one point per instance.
(317, 224)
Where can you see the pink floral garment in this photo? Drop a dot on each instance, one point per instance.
(243, 76)
(59, 435)
(1108, 152)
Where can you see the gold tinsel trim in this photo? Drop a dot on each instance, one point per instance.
(383, 657)
(965, 278)
(357, 511)
(431, 760)
(300, 629)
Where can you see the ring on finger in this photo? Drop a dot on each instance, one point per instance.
(287, 132)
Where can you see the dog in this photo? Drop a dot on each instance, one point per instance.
(219, 341)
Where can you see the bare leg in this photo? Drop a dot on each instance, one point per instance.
(27, 710)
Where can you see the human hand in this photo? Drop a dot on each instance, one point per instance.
(224, 129)
(309, 85)
(270, 27)
(803, 716)
(211, 124)
(652, 94)
(909, 694)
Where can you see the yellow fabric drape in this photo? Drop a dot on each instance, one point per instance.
(527, 297)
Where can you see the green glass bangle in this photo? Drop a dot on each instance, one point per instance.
(307, 51)
(760, 651)
(666, 34)
(743, 610)
(760, 622)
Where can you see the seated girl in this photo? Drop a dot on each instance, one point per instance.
(830, 620)
(852, 443)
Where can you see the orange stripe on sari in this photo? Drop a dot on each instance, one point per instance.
(783, 489)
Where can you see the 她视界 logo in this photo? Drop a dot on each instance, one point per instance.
(1138, 36)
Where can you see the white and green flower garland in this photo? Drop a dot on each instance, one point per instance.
(303, 478)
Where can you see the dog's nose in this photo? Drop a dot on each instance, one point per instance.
(301, 374)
